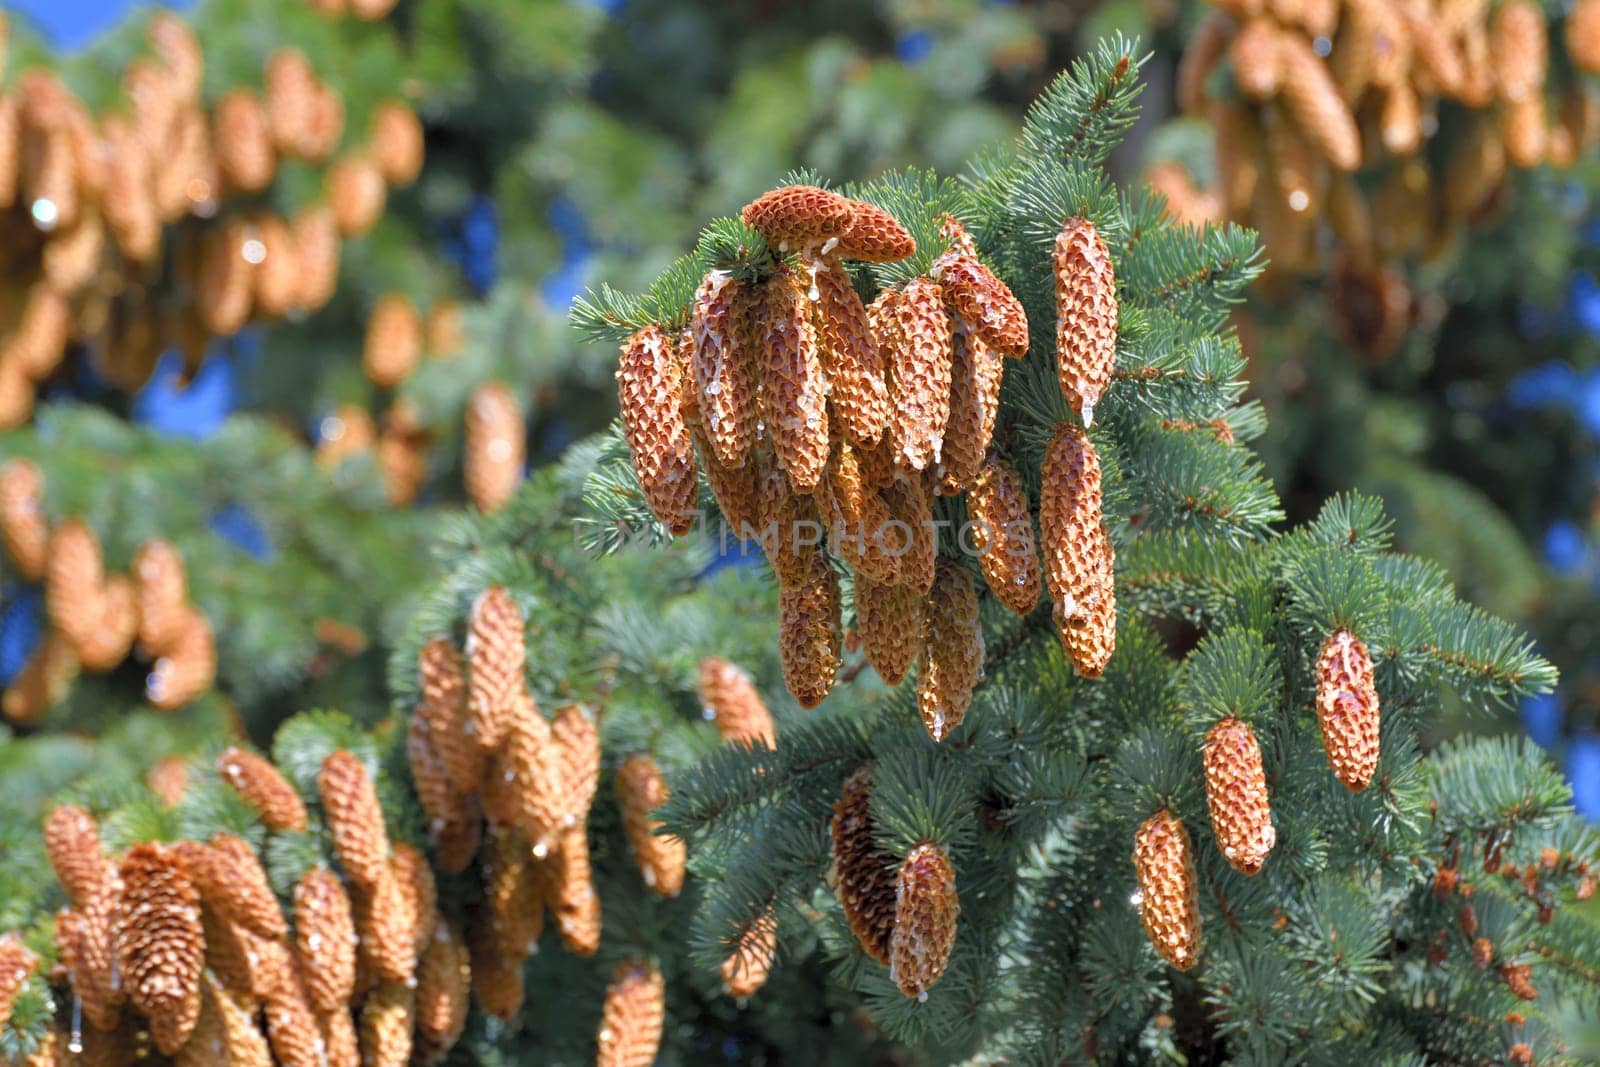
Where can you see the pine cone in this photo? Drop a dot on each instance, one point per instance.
(634, 1014)
(1312, 97)
(339, 1038)
(974, 402)
(1255, 54)
(515, 895)
(1169, 905)
(952, 651)
(43, 681)
(446, 329)
(316, 240)
(791, 543)
(1519, 979)
(168, 779)
(72, 841)
(117, 625)
(444, 805)
(874, 236)
(224, 278)
(249, 967)
(444, 987)
(243, 1041)
(1347, 709)
(925, 912)
(857, 516)
(243, 141)
(889, 621)
(1525, 128)
(850, 356)
(1583, 36)
(1002, 535)
(731, 701)
(650, 389)
(86, 944)
(799, 216)
(1521, 50)
(186, 671)
(444, 709)
(534, 760)
(291, 1024)
(745, 494)
(387, 1018)
(496, 657)
(863, 873)
(386, 921)
(1077, 552)
(454, 846)
(911, 515)
(397, 143)
(39, 340)
(661, 858)
(794, 386)
(356, 192)
(920, 359)
(291, 94)
(571, 895)
(163, 590)
(74, 577)
(578, 747)
(394, 341)
(496, 982)
(1236, 793)
(495, 449)
(746, 968)
(17, 963)
(231, 880)
(161, 947)
(417, 884)
(325, 939)
(724, 366)
(978, 296)
(23, 526)
(350, 804)
(262, 787)
(809, 636)
(1086, 315)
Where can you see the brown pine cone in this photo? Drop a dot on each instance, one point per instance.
(874, 236)
(952, 651)
(291, 1024)
(795, 217)
(339, 1038)
(925, 914)
(357, 194)
(856, 515)
(793, 383)
(496, 658)
(634, 1014)
(1169, 905)
(974, 402)
(809, 635)
(496, 981)
(350, 804)
(249, 967)
(444, 805)
(86, 944)
(1236, 794)
(245, 1044)
(889, 622)
(1086, 315)
(72, 841)
(74, 577)
(515, 895)
(188, 669)
(325, 939)
(534, 760)
(264, 788)
(43, 681)
(730, 699)
(397, 143)
(40, 338)
(1521, 49)
(17, 964)
(863, 873)
(163, 590)
(851, 359)
(386, 923)
(115, 628)
(571, 895)
(291, 95)
(724, 366)
(168, 779)
(242, 137)
(661, 858)
(316, 241)
(446, 329)
(913, 531)
(1583, 36)
(1255, 54)
(1077, 552)
(23, 526)
(495, 449)
(393, 345)
(231, 880)
(978, 296)
(455, 846)
(224, 277)
(161, 947)
(745, 969)
(1525, 129)
(444, 987)
(920, 362)
(1347, 709)
(444, 708)
(577, 742)
(651, 391)
(1003, 535)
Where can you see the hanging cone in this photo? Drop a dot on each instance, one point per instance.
(1583, 36)
(231, 881)
(650, 389)
(920, 361)
(325, 939)
(977, 295)
(291, 95)
(850, 356)
(856, 516)
(163, 591)
(495, 450)
(262, 787)
(799, 216)
(355, 819)
(417, 883)
(1077, 552)
(863, 874)
(396, 142)
(634, 1014)
(74, 577)
(724, 367)
(316, 240)
(952, 651)
(809, 636)
(161, 948)
(386, 922)
(745, 969)
(1347, 709)
(915, 536)
(731, 701)
(446, 330)
(661, 858)
(72, 841)
(496, 657)
(1312, 97)
(974, 403)
(242, 134)
(1518, 39)
(393, 345)
(874, 236)
(496, 981)
(1236, 794)
(43, 682)
(291, 1025)
(444, 806)
(571, 896)
(925, 914)
(116, 626)
(1255, 54)
(534, 760)
(23, 526)
(1003, 535)
(243, 1041)
(186, 671)
(86, 944)
(225, 277)
(444, 986)
(889, 622)
(357, 194)
(514, 895)
(577, 741)
(1169, 906)
(17, 964)
(794, 387)
(1086, 315)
